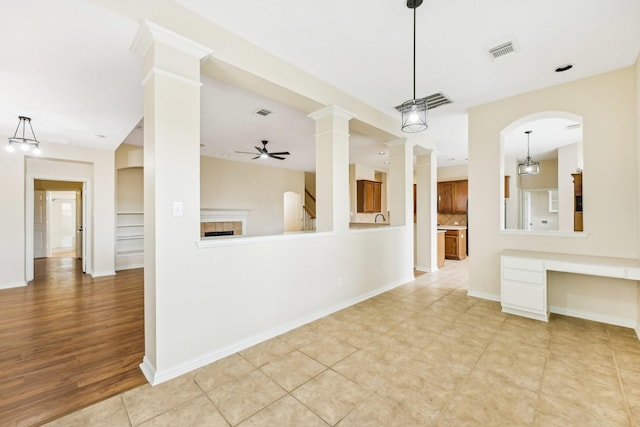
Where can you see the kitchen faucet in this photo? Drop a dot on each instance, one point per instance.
(375, 219)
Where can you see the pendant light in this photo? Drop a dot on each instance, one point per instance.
(414, 111)
(528, 167)
(24, 142)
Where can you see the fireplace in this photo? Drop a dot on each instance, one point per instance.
(223, 222)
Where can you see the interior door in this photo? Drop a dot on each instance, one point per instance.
(40, 224)
(79, 227)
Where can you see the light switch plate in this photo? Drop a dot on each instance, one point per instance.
(178, 209)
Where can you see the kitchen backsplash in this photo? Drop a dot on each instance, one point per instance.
(450, 219)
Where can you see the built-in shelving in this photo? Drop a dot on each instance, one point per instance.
(129, 240)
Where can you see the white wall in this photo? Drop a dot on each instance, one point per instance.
(225, 184)
(12, 217)
(610, 183)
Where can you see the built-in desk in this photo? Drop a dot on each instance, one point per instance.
(524, 277)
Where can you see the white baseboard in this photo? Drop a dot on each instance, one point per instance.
(12, 285)
(103, 273)
(596, 317)
(129, 266)
(425, 269)
(148, 370)
(154, 377)
(483, 295)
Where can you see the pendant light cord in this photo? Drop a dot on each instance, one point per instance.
(414, 52)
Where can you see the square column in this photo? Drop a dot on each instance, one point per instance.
(400, 182)
(400, 190)
(332, 168)
(426, 215)
(171, 172)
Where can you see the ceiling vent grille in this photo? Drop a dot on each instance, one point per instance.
(433, 101)
(262, 112)
(501, 50)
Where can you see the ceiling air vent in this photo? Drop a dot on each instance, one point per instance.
(262, 112)
(501, 50)
(433, 101)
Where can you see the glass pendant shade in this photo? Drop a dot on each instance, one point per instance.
(414, 115)
(414, 111)
(528, 167)
(22, 139)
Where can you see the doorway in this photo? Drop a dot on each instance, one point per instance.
(63, 224)
(58, 221)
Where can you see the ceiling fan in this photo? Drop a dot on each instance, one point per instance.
(263, 153)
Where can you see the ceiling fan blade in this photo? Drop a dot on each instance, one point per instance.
(256, 157)
(260, 149)
(282, 153)
(276, 157)
(245, 152)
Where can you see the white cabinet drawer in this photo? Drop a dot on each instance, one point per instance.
(527, 276)
(524, 296)
(522, 263)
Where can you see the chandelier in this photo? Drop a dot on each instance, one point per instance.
(21, 138)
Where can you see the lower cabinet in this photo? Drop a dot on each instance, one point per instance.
(455, 244)
(523, 287)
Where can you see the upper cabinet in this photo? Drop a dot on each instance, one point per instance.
(452, 197)
(369, 196)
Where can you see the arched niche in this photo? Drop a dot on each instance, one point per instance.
(542, 203)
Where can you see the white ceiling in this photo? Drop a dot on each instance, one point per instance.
(67, 64)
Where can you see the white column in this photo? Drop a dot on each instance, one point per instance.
(332, 168)
(426, 215)
(171, 170)
(400, 190)
(400, 182)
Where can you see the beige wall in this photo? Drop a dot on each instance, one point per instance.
(607, 104)
(40, 184)
(547, 178)
(130, 190)
(453, 173)
(226, 184)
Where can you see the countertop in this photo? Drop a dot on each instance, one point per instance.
(452, 227)
(368, 224)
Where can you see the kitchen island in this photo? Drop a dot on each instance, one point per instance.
(455, 241)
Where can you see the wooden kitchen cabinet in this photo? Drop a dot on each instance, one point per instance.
(453, 196)
(369, 196)
(577, 201)
(455, 244)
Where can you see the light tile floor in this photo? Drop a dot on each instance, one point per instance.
(423, 354)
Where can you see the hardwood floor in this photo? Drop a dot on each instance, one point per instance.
(68, 340)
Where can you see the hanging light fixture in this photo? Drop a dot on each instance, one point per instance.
(24, 142)
(528, 167)
(414, 111)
